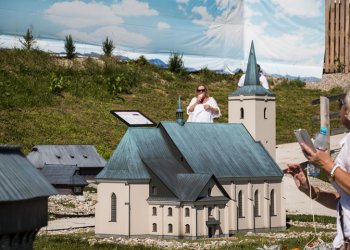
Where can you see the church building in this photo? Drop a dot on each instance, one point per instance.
(194, 180)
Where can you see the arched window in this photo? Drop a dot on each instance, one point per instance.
(154, 190)
(242, 114)
(154, 227)
(256, 203)
(154, 211)
(210, 209)
(187, 228)
(170, 211)
(240, 204)
(272, 203)
(113, 207)
(265, 113)
(170, 228)
(187, 212)
(209, 191)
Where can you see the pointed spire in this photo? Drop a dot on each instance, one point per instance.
(251, 74)
(179, 113)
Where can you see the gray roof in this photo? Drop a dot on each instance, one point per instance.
(136, 144)
(222, 149)
(19, 179)
(219, 149)
(184, 185)
(63, 175)
(83, 156)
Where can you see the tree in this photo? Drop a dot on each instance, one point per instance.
(69, 47)
(29, 40)
(108, 47)
(175, 62)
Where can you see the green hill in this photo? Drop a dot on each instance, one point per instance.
(50, 100)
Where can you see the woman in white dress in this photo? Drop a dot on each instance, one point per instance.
(202, 108)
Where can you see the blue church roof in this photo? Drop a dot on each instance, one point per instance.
(220, 149)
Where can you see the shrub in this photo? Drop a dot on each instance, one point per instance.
(118, 84)
(69, 47)
(57, 84)
(142, 61)
(29, 40)
(108, 47)
(175, 62)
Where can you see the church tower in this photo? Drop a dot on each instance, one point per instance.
(255, 107)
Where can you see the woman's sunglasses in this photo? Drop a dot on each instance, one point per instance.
(200, 90)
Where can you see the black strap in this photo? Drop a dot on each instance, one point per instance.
(341, 219)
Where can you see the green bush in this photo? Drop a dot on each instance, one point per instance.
(57, 84)
(175, 62)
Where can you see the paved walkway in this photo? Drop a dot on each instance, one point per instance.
(70, 223)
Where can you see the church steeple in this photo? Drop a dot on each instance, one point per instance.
(252, 74)
(179, 113)
(251, 81)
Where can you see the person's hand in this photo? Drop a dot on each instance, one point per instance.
(206, 107)
(299, 176)
(200, 98)
(320, 158)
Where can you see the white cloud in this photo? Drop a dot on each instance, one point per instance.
(78, 14)
(224, 30)
(92, 22)
(289, 47)
(119, 35)
(133, 8)
(163, 26)
(205, 17)
(227, 4)
(302, 8)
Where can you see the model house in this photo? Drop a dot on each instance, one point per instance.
(24, 193)
(85, 157)
(65, 178)
(191, 180)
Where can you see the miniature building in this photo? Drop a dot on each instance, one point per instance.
(187, 181)
(23, 199)
(85, 157)
(255, 107)
(191, 180)
(65, 178)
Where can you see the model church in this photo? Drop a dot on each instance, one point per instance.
(192, 180)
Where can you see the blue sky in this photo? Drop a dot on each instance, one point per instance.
(285, 32)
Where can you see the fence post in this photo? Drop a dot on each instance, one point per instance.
(324, 117)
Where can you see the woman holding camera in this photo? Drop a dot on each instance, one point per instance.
(202, 108)
(339, 173)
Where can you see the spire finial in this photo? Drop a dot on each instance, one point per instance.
(251, 74)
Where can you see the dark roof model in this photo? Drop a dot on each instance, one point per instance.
(220, 149)
(63, 175)
(19, 179)
(83, 156)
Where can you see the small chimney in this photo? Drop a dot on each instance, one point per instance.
(179, 113)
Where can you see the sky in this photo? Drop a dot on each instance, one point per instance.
(288, 35)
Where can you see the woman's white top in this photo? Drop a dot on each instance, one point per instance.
(343, 161)
(199, 114)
